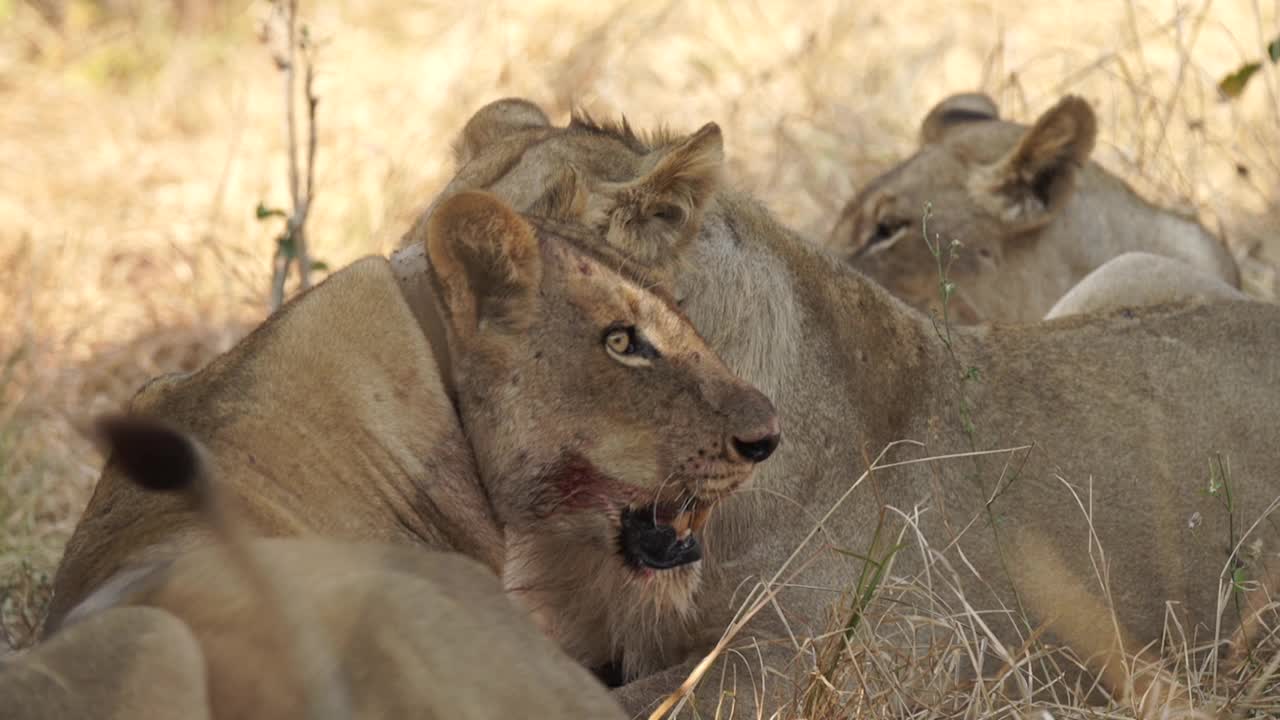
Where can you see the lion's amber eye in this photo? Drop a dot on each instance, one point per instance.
(626, 345)
(619, 341)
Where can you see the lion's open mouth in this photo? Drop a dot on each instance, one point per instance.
(663, 535)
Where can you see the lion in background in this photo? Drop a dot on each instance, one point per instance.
(1032, 214)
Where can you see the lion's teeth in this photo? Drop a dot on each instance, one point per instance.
(681, 524)
(700, 517)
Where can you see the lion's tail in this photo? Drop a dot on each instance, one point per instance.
(161, 458)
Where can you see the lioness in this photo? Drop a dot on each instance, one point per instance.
(126, 662)
(1134, 279)
(1119, 416)
(1032, 213)
(597, 412)
(293, 628)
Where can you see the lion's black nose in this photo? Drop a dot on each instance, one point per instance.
(754, 429)
(757, 448)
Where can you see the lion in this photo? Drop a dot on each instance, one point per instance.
(604, 477)
(294, 627)
(1031, 213)
(1121, 425)
(1133, 279)
(605, 429)
(126, 662)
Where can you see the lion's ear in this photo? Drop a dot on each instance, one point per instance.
(1026, 187)
(565, 198)
(687, 174)
(495, 121)
(958, 109)
(651, 216)
(487, 262)
(153, 454)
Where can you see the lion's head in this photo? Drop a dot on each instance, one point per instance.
(606, 430)
(643, 194)
(993, 186)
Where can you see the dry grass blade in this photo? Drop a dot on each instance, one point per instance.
(879, 675)
(766, 593)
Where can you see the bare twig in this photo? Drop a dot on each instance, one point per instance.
(1184, 58)
(304, 255)
(291, 45)
(292, 243)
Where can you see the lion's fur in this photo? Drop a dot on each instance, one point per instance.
(542, 404)
(317, 629)
(1134, 279)
(127, 662)
(309, 682)
(348, 361)
(1123, 413)
(333, 426)
(1033, 215)
(407, 633)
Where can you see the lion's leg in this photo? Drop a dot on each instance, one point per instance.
(122, 663)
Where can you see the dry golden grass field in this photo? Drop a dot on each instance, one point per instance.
(135, 146)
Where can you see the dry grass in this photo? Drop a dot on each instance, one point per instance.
(902, 648)
(132, 154)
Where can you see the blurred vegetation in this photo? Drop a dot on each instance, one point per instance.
(1232, 85)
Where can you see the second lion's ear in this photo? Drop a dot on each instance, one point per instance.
(1035, 179)
(152, 453)
(651, 217)
(954, 111)
(495, 121)
(488, 264)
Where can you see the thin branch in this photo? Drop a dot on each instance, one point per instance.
(292, 246)
(303, 209)
(1166, 116)
(279, 273)
(291, 20)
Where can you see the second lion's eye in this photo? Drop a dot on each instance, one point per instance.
(667, 212)
(885, 230)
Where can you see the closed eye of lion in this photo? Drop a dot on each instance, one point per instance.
(1032, 213)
